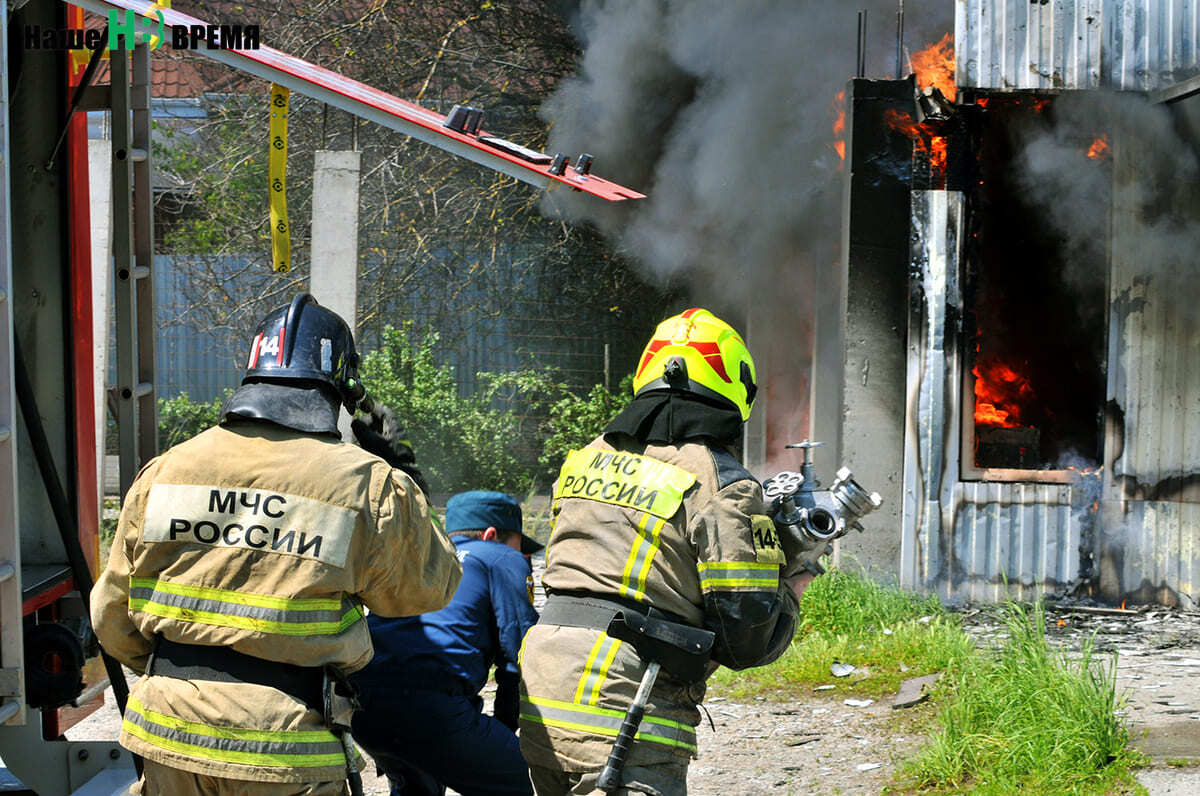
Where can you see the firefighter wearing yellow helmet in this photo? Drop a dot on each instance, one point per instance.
(661, 542)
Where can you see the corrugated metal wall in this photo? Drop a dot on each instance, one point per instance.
(542, 332)
(931, 440)
(1150, 546)
(1127, 45)
(1160, 552)
(1139, 517)
(1024, 535)
(1155, 345)
(969, 540)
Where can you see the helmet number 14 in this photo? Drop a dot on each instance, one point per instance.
(269, 345)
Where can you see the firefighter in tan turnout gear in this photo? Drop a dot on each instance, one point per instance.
(242, 562)
(656, 525)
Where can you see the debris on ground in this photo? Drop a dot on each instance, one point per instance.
(842, 669)
(914, 691)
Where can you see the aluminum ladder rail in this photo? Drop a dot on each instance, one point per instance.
(133, 259)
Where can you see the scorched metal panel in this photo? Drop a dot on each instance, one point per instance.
(1154, 344)
(1128, 45)
(1152, 497)
(1015, 539)
(1161, 552)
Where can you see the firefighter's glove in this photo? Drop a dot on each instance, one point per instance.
(384, 437)
(801, 554)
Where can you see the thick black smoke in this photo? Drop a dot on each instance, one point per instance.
(722, 112)
(1131, 217)
(1142, 193)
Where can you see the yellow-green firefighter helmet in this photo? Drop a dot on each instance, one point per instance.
(698, 352)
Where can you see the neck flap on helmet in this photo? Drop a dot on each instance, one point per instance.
(297, 406)
(673, 417)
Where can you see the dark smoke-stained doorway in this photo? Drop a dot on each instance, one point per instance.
(1034, 325)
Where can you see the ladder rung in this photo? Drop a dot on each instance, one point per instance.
(140, 271)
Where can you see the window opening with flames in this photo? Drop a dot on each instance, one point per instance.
(1035, 309)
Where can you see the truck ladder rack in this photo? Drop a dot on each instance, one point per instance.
(133, 256)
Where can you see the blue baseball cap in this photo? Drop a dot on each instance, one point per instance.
(478, 510)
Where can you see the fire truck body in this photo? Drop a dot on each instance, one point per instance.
(47, 421)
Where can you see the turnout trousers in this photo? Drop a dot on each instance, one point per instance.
(160, 780)
(668, 779)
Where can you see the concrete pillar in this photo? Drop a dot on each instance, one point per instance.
(828, 357)
(334, 273)
(876, 231)
(100, 198)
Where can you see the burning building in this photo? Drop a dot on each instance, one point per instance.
(1021, 369)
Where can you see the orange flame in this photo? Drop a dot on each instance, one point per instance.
(1099, 148)
(937, 154)
(904, 123)
(923, 140)
(1000, 392)
(839, 124)
(934, 66)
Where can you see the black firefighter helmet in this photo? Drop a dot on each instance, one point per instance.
(301, 368)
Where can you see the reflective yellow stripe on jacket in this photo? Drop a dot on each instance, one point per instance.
(737, 575)
(637, 566)
(263, 613)
(605, 721)
(275, 749)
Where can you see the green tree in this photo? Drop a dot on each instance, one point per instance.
(479, 441)
(511, 434)
(576, 420)
(180, 418)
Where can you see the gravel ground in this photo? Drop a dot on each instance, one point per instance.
(820, 745)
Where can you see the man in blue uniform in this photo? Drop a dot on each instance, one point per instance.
(421, 718)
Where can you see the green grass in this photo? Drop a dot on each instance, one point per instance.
(1016, 716)
(1026, 717)
(889, 634)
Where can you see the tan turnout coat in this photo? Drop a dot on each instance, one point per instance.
(661, 525)
(269, 541)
